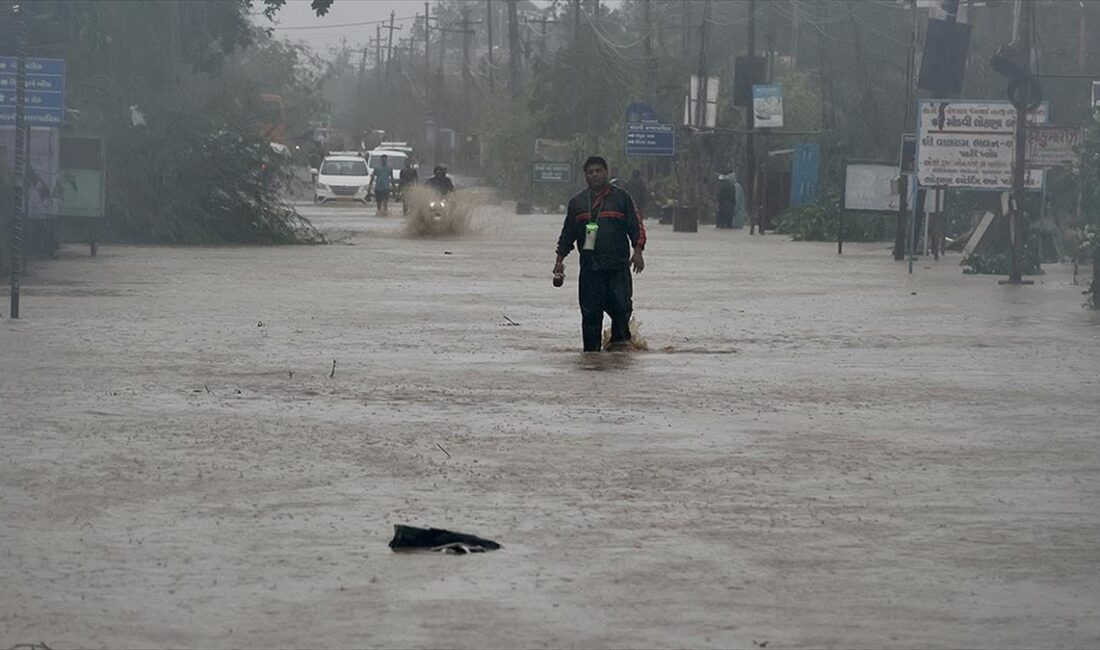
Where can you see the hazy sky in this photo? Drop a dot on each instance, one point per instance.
(297, 21)
(327, 31)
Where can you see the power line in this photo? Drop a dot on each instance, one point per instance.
(359, 24)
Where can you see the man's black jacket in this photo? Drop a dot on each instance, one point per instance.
(619, 228)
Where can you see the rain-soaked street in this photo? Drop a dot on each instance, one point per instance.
(209, 447)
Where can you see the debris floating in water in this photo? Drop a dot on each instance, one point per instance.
(407, 539)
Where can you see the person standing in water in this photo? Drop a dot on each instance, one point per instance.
(603, 224)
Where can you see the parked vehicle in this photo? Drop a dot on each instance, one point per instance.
(343, 176)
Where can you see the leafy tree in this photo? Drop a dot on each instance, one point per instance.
(197, 170)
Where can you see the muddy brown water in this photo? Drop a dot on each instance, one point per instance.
(814, 452)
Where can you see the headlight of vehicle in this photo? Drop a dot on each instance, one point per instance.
(322, 186)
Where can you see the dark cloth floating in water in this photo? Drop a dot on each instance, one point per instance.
(410, 538)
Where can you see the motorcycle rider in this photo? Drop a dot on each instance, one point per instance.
(439, 181)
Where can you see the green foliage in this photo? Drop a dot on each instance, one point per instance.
(206, 186)
(192, 173)
(509, 140)
(1088, 175)
(1000, 262)
(819, 222)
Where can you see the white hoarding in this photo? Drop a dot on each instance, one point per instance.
(868, 186)
(969, 144)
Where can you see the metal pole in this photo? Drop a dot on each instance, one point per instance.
(20, 206)
(913, 224)
(903, 185)
(750, 150)
(1023, 33)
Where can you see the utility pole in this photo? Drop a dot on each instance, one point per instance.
(1019, 170)
(650, 65)
(576, 21)
(513, 48)
(427, 40)
(19, 211)
(1081, 32)
(828, 106)
(489, 23)
(378, 55)
(907, 120)
(794, 33)
(389, 48)
(467, 81)
(543, 22)
(750, 148)
(685, 26)
(362, 72)
(701, 98)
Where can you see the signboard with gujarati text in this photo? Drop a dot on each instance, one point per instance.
(645, 134)
(44, 100)
(969, 144)
(1051, 145)
(551, 172)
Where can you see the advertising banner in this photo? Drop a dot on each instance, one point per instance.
(767, 106)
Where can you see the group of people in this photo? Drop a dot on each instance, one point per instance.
(381, 182)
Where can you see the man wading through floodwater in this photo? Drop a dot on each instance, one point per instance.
(602, 223)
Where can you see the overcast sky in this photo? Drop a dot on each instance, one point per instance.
(296, 21)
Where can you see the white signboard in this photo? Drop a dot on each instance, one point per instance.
(868, 186)
(767, 106)
(969, 144)
(1052, 146)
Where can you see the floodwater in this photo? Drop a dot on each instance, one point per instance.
(209, 447)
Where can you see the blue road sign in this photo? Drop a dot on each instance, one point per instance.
(804, 173)
(45, 91)
(646, 135)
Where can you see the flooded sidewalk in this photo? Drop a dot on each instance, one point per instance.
(209, 447)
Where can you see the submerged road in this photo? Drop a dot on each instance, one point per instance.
(814, 452)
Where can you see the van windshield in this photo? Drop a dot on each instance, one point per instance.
(344, 168)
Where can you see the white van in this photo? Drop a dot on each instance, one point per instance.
(342, 177)
(395, 158)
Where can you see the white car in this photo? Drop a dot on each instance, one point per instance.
(342, 177)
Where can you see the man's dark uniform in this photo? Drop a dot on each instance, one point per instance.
(605, 283)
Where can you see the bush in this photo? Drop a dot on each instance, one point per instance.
(818, 222)
(1000, 261)
(185, 180)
